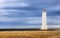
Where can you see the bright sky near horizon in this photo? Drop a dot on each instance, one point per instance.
(28, 13)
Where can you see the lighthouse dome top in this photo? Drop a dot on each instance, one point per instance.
(44, 10)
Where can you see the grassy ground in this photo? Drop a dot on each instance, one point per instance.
(30, 34)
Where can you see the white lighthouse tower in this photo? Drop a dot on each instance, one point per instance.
(44, 20)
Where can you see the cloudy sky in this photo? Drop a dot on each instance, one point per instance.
(27, 13)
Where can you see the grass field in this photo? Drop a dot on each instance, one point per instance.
(30, 34)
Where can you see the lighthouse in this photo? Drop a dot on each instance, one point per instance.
(44, 20)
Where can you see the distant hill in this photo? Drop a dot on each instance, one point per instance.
(13, 29)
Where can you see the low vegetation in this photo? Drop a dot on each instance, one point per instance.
(30, 34)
